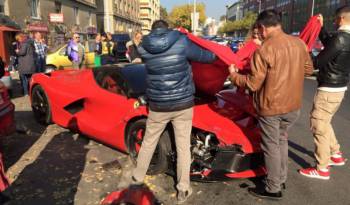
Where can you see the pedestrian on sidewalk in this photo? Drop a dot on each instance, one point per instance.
(108, 49)
(76, 51)
(170, 90)
(13, 55)
(333, 78)
(133, 53)
(98, 50)
(277, 78)
(40, 50)
(26, 61)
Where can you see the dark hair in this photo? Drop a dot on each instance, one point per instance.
(269, 18)
(342, 10)
(160, 24)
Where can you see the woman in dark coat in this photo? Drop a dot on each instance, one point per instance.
(26, 61)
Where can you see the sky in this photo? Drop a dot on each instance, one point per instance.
(214, 8)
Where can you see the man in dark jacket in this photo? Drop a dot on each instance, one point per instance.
(170, 90)
(334, 68)
(26, 61)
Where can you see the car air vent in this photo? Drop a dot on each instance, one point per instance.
(75, 107)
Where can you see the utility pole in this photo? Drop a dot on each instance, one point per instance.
(312, 7)
(259, 6)
(194, 17)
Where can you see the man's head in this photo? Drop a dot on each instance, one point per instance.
(268, 21)
(342, 16)
(160, 24)
(109, 36)
(76, 38)
(138, 37)
(37, 36)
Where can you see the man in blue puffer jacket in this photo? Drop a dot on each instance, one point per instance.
(170, 90)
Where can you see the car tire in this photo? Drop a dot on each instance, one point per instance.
(160, 160)
(41, 105)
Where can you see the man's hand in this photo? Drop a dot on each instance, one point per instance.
(320, 18)
(233, 69)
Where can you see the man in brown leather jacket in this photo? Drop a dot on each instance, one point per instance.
(277, 79)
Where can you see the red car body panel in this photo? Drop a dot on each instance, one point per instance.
(7, 108)
(106, 115)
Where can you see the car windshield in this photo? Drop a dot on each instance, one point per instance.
(55, 49)
(122, 79)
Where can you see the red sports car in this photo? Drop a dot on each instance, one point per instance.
(7, 125)
(107, 104)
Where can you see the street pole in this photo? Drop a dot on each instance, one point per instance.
(259, 6)
(312, 7)
(194, 17)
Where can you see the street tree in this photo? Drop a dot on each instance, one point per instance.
(242, 25)
(163, 13)
(180, 16)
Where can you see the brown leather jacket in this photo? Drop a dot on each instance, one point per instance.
(277, 74)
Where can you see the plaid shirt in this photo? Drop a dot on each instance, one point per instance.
(40, 49)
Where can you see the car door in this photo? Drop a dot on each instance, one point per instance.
(62, 60)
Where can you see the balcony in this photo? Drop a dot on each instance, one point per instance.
(91, 3)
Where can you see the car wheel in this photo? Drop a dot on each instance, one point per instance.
(41, 106)
(160, 160)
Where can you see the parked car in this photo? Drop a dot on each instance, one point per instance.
(58, 60)
(225, 136)
(221, 41)
(7, 125)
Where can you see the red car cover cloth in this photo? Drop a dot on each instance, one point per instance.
(131, 196)
(245, 54)
(210, 78)
(311, 32)
(4, 183)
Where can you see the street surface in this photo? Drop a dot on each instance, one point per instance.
(50, 165)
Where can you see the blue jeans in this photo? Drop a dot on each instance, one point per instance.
(25, 78)
(40, 64)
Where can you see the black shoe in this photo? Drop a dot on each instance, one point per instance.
(283, 186)
(261, 193)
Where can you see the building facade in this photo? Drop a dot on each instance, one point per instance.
(295, 13)
(149, 12)
(56, 19)
(118, 16)
(234, 11)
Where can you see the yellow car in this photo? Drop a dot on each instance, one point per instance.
(57, 60)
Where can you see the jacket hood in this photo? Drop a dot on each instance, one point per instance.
(160, 40)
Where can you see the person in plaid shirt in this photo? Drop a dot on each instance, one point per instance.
(40, 50)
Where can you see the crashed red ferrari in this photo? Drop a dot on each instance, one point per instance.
(107, 105)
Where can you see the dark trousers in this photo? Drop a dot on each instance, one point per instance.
(40, 64)
(275, 147)
(25, 78)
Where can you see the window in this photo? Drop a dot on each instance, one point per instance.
(2, 6)
(76, 15)
(35, 9)
(58, 7)
(90, 18)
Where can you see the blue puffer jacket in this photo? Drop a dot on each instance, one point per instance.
(166, 54)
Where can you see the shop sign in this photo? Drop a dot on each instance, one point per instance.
(56, 18)
(38, 27)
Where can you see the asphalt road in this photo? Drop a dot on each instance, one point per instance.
(54, 166)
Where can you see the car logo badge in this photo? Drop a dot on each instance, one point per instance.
(136, 105)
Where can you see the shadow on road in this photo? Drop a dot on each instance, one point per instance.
(17, 144)
(54, 177)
